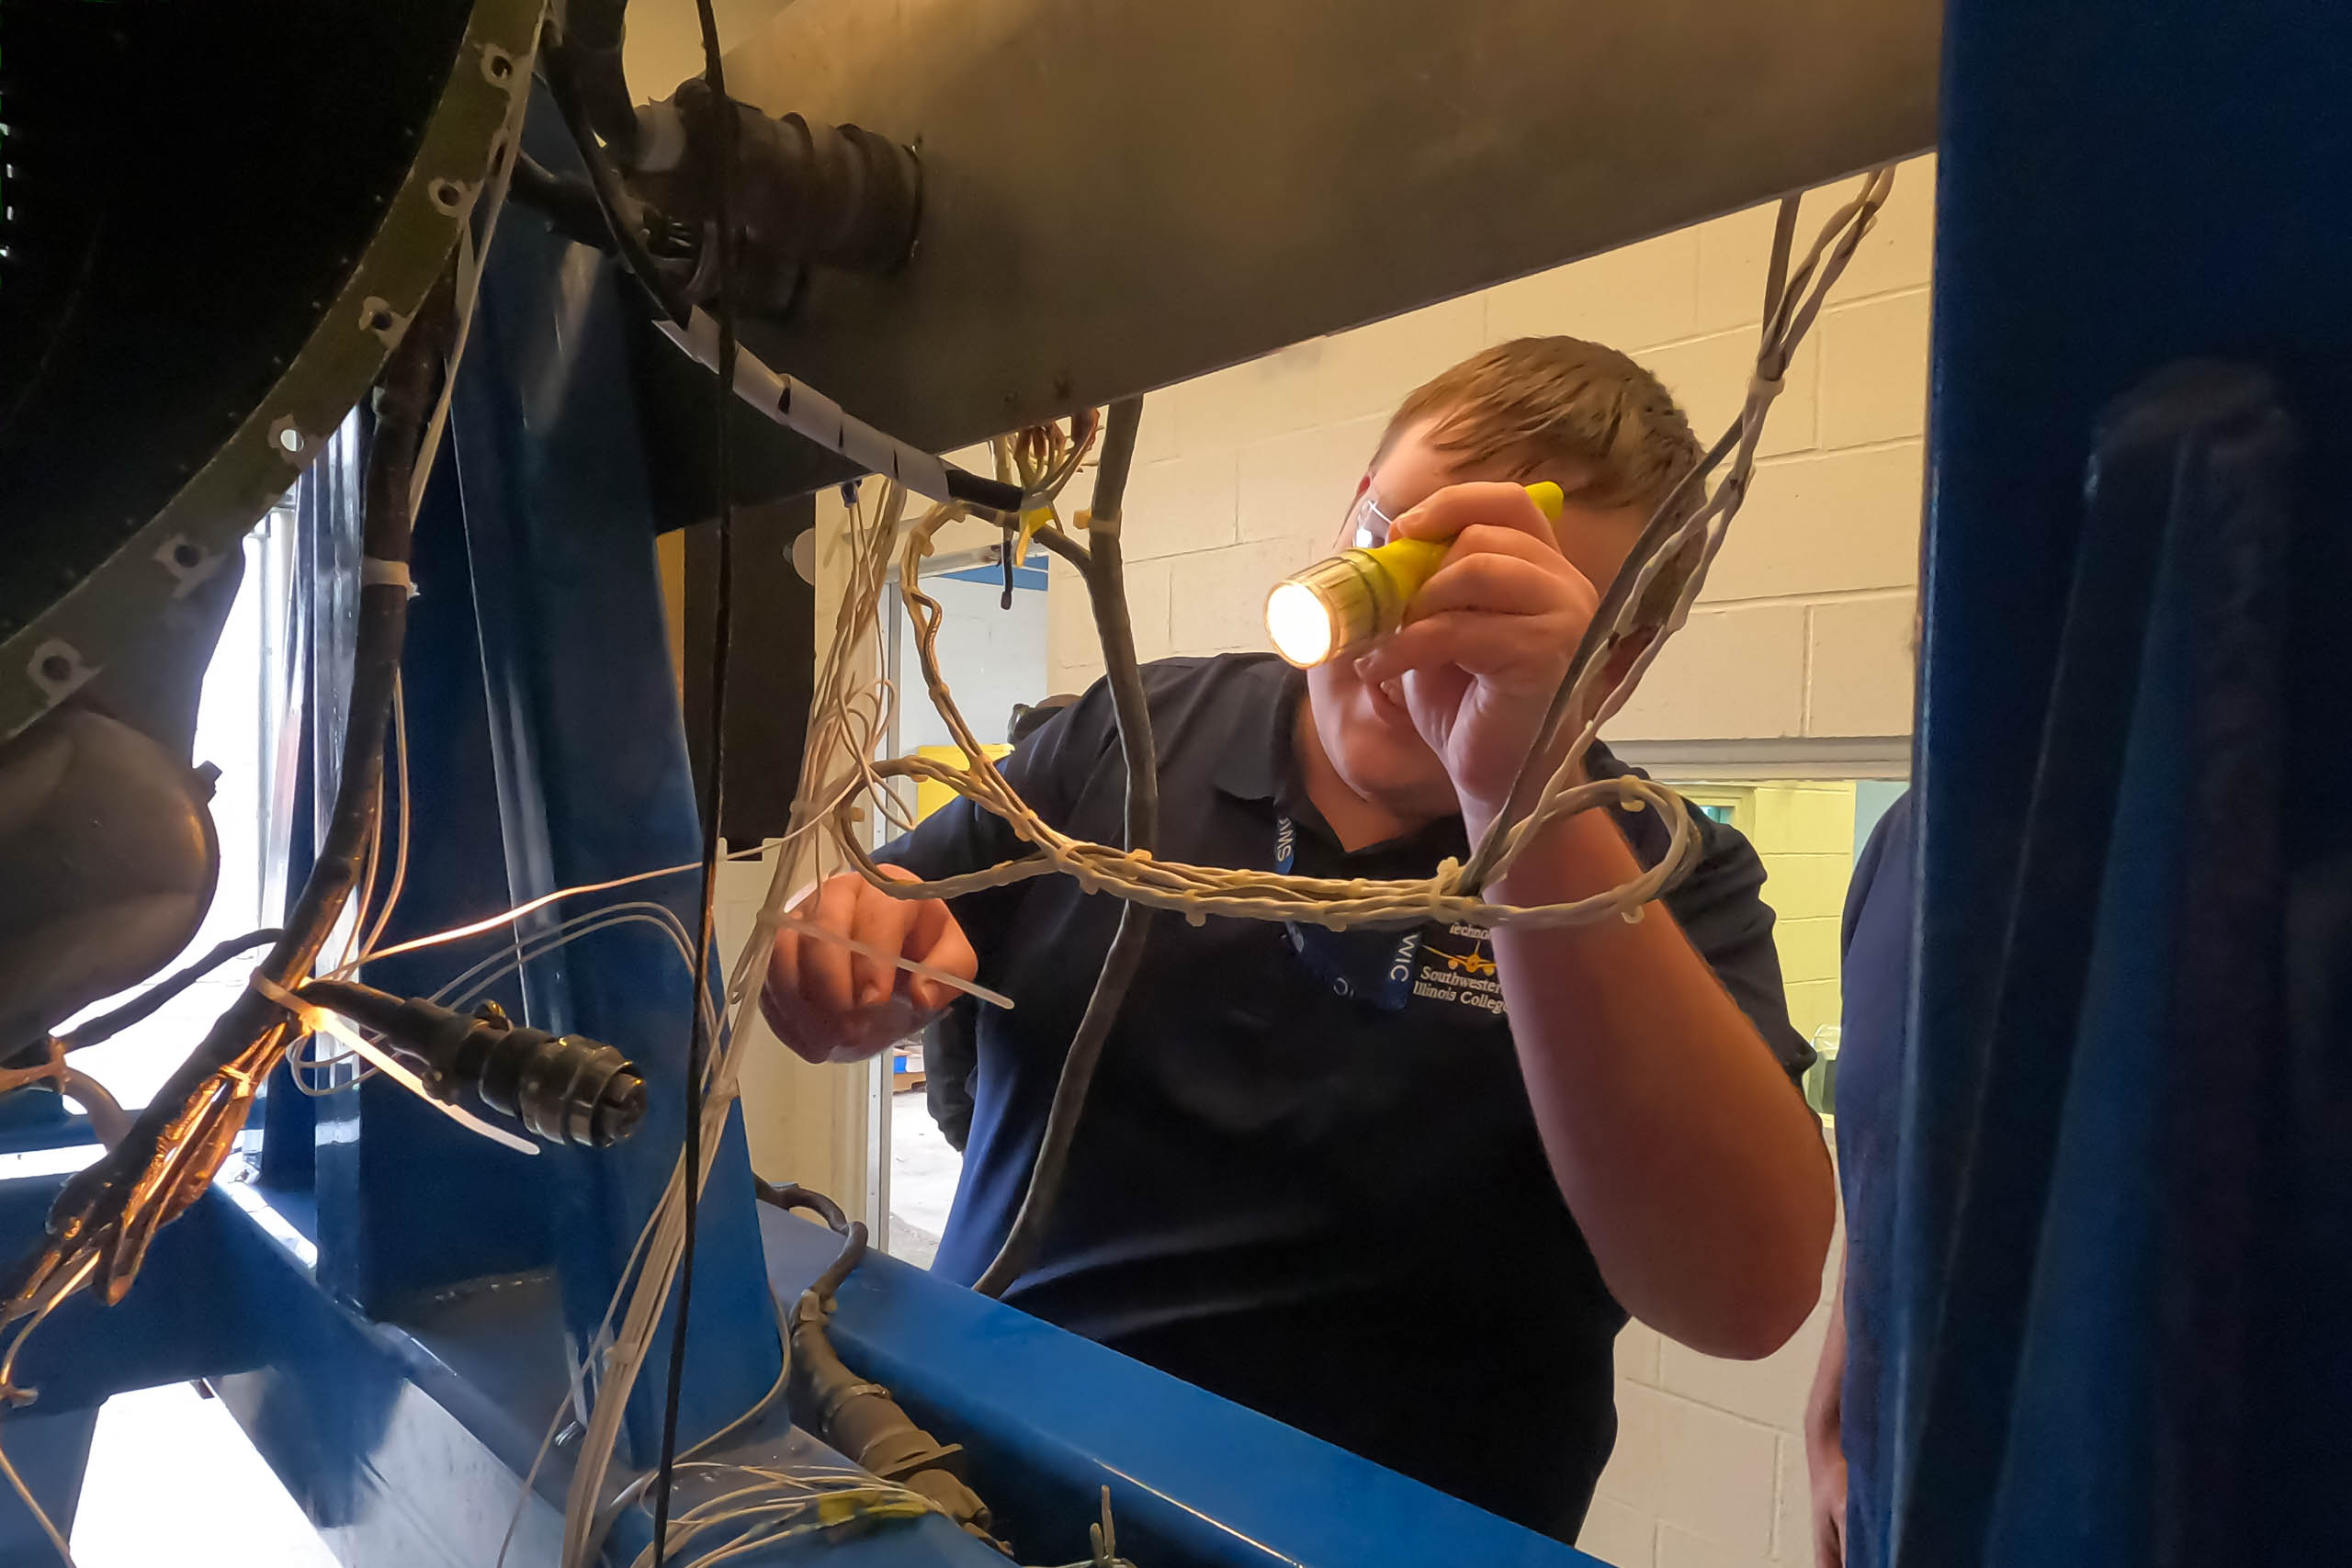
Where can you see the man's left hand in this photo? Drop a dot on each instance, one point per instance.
(1487, 639)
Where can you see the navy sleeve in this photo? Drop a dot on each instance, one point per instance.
(1721, 908)
(1050, 769)
(1893, 825)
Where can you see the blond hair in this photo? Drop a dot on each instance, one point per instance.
(1537, 401)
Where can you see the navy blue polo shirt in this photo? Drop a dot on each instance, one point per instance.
(1335, 1211)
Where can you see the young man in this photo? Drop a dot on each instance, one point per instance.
(1407, 1216)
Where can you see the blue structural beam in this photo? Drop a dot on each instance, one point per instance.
(1047, 1419)
(2131, 1084)
(49, 1453)
(406, 1439)
(220, 1283)
(408, 1204)
(580, 776)
(31, 1122)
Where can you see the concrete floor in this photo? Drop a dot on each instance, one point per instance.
(923, 1172)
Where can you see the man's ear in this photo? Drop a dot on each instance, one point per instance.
(1599, 543)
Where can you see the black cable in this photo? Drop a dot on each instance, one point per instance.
(570, 205)
(1104, 571)
(664, 297)
(107, 1025)
(723, 126)
(594, 33)
(97, 1199)
(792, 1195)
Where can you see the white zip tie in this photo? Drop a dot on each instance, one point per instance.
(317, 1020)
(779, 920)
(375, 571)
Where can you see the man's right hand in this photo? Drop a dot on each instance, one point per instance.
(831, 1004)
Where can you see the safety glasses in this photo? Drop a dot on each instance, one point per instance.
(1367, 523)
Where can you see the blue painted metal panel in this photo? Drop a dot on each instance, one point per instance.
(210, 1314)
(1195, 1481)
(409, 1202)
(591, 777)
(404, 1441)
(50, 1452)
(2126, 184)
(40, 1121)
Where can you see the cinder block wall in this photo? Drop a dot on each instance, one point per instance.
(1805, 631)
(1803, 832)
(1805, 626)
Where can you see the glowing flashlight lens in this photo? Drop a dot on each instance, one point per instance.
(1299, 623)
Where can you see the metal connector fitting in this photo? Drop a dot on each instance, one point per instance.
(562, 1088)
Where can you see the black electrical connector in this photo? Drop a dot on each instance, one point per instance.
(563, 1089)
(853, 1413)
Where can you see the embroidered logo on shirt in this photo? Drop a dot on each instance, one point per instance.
(1458, 967)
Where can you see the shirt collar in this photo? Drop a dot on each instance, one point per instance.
(1258, 762)
(1261, 761)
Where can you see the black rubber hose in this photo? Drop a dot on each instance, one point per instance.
(792, 1195)
(570, 205)
(1106, 589)
(665, 297)
(594, 33)
(363, 1005)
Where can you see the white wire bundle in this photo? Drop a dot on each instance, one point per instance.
(852, 728)
(1651, 599)
(778, 1506)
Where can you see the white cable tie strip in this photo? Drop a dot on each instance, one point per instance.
(1764, 390)
(394, 1069)
(376, 572)
(319, 1021)
(814, 414)
(801, 407)
(779, 920)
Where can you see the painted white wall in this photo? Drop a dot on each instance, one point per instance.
(1804, 628)
(992, 658)
(664, 42)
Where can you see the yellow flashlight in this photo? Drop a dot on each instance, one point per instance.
(1348, 600)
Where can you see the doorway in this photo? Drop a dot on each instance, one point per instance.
(992, 648)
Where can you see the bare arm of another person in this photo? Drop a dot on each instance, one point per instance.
(1825, 1440)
